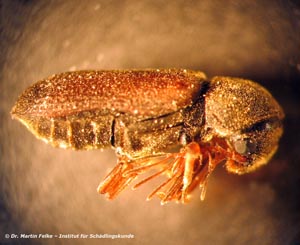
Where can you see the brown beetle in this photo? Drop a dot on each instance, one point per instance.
(143, 114)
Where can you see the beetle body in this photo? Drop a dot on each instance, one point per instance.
(144, 113)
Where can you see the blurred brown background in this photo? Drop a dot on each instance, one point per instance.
(47, 190)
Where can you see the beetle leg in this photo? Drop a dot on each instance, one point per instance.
(149, 178)
(124, 173)
(157, 190)
(184, 171)
(180, 174)
(208, 168)
(164, 166)
(115, 182)
(192, 153)
(174, 192)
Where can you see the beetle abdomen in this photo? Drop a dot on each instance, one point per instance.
(80, 132)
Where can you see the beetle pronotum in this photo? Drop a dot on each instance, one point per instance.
(143, 114)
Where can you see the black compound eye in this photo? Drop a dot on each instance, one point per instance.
(264, 125)
(245, 146)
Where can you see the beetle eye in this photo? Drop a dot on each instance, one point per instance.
(244, 146)
(264, 125)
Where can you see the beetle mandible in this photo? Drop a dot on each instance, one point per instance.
(143, 114)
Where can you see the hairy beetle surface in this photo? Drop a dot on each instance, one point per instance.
(143, 114)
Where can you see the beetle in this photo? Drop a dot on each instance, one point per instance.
(145, 114)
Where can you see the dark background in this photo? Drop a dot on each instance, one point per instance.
(47, 190)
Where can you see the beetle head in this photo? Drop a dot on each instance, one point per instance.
(247, 116)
